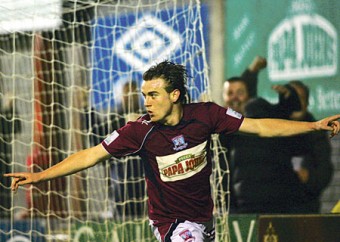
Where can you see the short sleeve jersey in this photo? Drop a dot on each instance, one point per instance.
(176, 159)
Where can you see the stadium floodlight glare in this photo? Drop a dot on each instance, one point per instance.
(29, 15)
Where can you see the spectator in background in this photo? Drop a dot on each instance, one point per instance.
(126, 181)
(9, 126)
(92, 124)
(262, 176)
(127, 185)
(312, 160)
(247, 154)
(238, 92)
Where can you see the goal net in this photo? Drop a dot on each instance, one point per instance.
(70, 73)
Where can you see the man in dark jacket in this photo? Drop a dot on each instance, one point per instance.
(312, 158)
(263, 179)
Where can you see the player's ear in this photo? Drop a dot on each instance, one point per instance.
(175, 95)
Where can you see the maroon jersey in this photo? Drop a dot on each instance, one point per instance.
(176, 159)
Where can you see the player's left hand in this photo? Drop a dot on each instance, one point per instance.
(330, 123)
(22, 178)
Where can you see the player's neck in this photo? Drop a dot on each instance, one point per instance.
(176, 115)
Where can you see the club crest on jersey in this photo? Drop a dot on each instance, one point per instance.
(179, 143)
(186, 235)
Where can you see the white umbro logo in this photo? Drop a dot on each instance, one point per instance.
(149, 39)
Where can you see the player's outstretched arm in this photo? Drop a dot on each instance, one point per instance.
(72, 164)
(281, 127)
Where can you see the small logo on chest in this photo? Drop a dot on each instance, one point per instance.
(179, 143)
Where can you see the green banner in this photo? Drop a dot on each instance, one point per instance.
(299, 39)
(299, 228)
(243, 228)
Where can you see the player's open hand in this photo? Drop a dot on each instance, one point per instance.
(22, 178)
(330, 123)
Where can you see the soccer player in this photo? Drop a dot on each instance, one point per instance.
(173, 140)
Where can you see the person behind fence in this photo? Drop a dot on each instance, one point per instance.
(312, 159)
(249, 157)
(263, 179)
(9, 126)
(173, 140)
(127, 185)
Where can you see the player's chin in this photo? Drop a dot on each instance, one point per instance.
(153, 118)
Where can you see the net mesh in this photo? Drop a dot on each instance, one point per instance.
(64, 89)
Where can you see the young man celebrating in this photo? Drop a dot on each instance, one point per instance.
(173, 140)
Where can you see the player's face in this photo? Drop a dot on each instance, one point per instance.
(158, 102)
(235, 95)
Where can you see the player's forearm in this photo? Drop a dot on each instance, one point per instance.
(281, 128)
(276, 127)
(72, 164)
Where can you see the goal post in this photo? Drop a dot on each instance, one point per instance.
(66, 84)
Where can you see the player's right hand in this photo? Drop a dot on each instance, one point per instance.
(22, 178)
(330, 123)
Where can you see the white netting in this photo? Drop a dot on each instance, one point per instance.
(63, 90)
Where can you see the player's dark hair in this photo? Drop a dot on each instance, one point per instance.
(174, 74)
